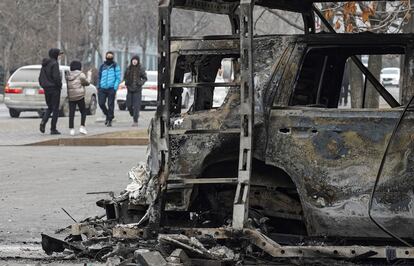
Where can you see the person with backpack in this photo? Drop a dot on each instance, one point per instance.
(108, 82)
(76, 82)
(135, 76)
(50, 80)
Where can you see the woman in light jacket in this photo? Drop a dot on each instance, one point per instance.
(76, 82)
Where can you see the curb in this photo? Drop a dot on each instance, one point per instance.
(93, 141)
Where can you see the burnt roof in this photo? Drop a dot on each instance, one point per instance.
(228, 6)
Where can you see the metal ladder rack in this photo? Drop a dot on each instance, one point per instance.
(241, 201)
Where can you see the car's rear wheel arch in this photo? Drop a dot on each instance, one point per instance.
(264, 176)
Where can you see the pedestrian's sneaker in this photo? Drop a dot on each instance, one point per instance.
(135, 124)
(72, 132)
(106, 122)
(54, 132)
(82, 130)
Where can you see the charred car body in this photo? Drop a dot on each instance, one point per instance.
(278, 155)
(312, 163)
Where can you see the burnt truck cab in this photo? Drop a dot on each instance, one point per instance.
(313, 163)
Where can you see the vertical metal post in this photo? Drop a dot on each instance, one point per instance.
(163, 106)
(163, 109)
(241, 201)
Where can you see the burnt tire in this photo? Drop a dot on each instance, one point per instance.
(14, 113)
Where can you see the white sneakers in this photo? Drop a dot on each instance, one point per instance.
(82, 130)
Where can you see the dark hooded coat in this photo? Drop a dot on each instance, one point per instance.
(50, 77)
(135, 76)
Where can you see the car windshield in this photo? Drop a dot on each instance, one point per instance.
(26, 75)
(152, 77)
(389, 71)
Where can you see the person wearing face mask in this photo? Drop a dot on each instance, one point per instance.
(108, 82)
(50, 80)
(135, 76)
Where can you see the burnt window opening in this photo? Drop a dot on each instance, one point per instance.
(323, 71)
(191, 69)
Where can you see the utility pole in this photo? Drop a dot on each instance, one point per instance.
(59, 40)
(105, 27)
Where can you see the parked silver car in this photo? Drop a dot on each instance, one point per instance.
(23, 93)
(149, 93)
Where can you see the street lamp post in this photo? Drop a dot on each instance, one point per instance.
(105, 27)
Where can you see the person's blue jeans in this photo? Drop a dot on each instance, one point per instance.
(104, 96)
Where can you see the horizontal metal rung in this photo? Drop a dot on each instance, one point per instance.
(205, 84)
(203, 131)
(185, 181)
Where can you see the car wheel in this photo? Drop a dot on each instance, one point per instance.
(65, 109)
(186, 101)
(14, 113)
(122, 106)
(92, 106)
(142, 107)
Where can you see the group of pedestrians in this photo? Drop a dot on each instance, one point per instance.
(109, 78)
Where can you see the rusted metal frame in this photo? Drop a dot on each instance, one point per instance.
(83, 228)
(163, 109)
(241, 200)
(204, 131)
(377, 85)
(205, 84)
(132, 231)
(308, 22)
(206, 6)
(349, 252)
(222, 180)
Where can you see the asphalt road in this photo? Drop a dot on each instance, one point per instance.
(25, 129)
(36, 182)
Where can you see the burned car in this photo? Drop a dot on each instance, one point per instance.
(313, 164)
(278, 157)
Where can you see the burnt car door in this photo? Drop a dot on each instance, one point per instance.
(333, 155)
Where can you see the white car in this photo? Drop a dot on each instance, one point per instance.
(23, 93)
(149, 93)
(390, 76)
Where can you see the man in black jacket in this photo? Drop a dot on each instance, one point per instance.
(50, 80)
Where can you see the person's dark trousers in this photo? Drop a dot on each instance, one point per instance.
(72, 109)
(107, 95)
(134, 104)
(52, 97)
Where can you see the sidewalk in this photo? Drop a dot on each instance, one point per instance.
(25, 129)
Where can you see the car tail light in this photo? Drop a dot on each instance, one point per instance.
(153, 88)
(8, 89)
(41, 91)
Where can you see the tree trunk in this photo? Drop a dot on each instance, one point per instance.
(407, 68)
(144, 46)
(356, 83)
(372, 96)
